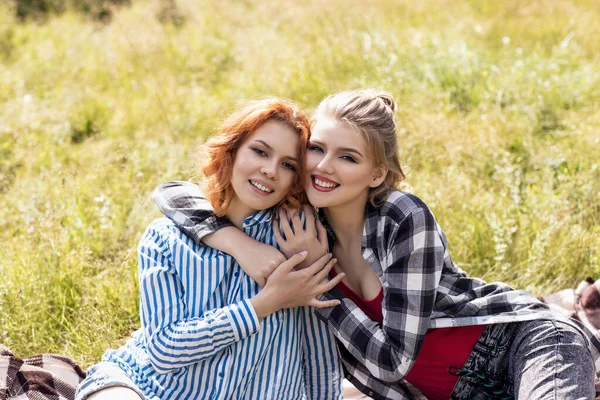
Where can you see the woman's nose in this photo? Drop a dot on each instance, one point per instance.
(269, 170)
(325, 165)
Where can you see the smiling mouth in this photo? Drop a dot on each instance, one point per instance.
(323, 185)
(260, 187)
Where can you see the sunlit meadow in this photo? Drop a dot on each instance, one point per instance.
(498, 122)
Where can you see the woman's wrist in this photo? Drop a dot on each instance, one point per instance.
(264, 304)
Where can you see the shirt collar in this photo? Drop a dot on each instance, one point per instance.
(259, 217)
(369, 240)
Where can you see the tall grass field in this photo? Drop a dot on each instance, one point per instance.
(499, 127)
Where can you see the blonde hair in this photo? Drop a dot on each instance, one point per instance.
(371, 112)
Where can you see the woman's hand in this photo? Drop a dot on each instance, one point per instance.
(313, 239)
(287, 288)
(257, 259)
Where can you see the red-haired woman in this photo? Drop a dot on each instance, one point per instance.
(208, 329)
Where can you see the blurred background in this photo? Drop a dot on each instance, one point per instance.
(101, 100)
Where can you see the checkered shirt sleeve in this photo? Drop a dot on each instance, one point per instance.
(185, 204)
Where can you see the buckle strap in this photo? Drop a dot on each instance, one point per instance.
(492, 389)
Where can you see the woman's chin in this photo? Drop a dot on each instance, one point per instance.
(257, 203)
(318, 201)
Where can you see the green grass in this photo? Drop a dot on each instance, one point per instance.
(499, 116)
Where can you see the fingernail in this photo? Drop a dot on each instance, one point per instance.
(303, 253)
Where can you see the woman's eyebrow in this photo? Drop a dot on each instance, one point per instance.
(350, 150)
(346, 149)
(271, 148)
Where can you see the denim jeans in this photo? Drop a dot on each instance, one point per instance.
(104, 375)
(536, 360)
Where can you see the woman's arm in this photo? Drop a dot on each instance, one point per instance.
(185, 204)
(411, 273)
(174, 339)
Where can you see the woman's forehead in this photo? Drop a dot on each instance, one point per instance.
(337, 134)
(279, 136)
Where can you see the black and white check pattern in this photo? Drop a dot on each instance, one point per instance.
(185, 204)
(423, 289)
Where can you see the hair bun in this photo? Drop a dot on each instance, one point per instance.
(388, 100)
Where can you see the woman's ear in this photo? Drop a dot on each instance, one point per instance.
(378, 176)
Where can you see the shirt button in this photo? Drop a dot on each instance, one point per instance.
(236, 274)
(371, 393)
(348, 377)
(220, 374)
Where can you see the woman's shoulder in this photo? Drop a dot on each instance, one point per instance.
(162, 232)
(162, 227)
(163, 236)
(400, 205)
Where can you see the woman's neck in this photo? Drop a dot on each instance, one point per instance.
(238, 212)
(347, 221)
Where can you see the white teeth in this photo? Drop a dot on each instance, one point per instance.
(261, 187)
(324, 184)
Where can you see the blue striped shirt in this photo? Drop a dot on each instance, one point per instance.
(201, 338)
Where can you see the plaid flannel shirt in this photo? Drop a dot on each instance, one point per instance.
(423, 288)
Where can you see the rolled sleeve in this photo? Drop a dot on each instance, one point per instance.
(186, 205)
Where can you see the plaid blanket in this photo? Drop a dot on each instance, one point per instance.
(42, 377)
(582, 304)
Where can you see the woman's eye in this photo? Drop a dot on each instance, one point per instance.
(289, 166)
(348, 158)
(315, 148)
(260, 152)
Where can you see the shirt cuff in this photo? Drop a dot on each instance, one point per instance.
(243, 319)
(202, 228)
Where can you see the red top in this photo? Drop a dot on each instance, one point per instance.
(441, 348)
(372, 307)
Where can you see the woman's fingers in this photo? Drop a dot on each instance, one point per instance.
(321, 233)
(296, 223)
(327, 286)
(324, 304)
(293, 261)
(324, 272)
(318, 265)
(277, 233)
(284, 223)
(309, 214)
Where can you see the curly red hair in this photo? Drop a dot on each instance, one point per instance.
(222, 149)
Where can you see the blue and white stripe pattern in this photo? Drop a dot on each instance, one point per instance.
(200, 337)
